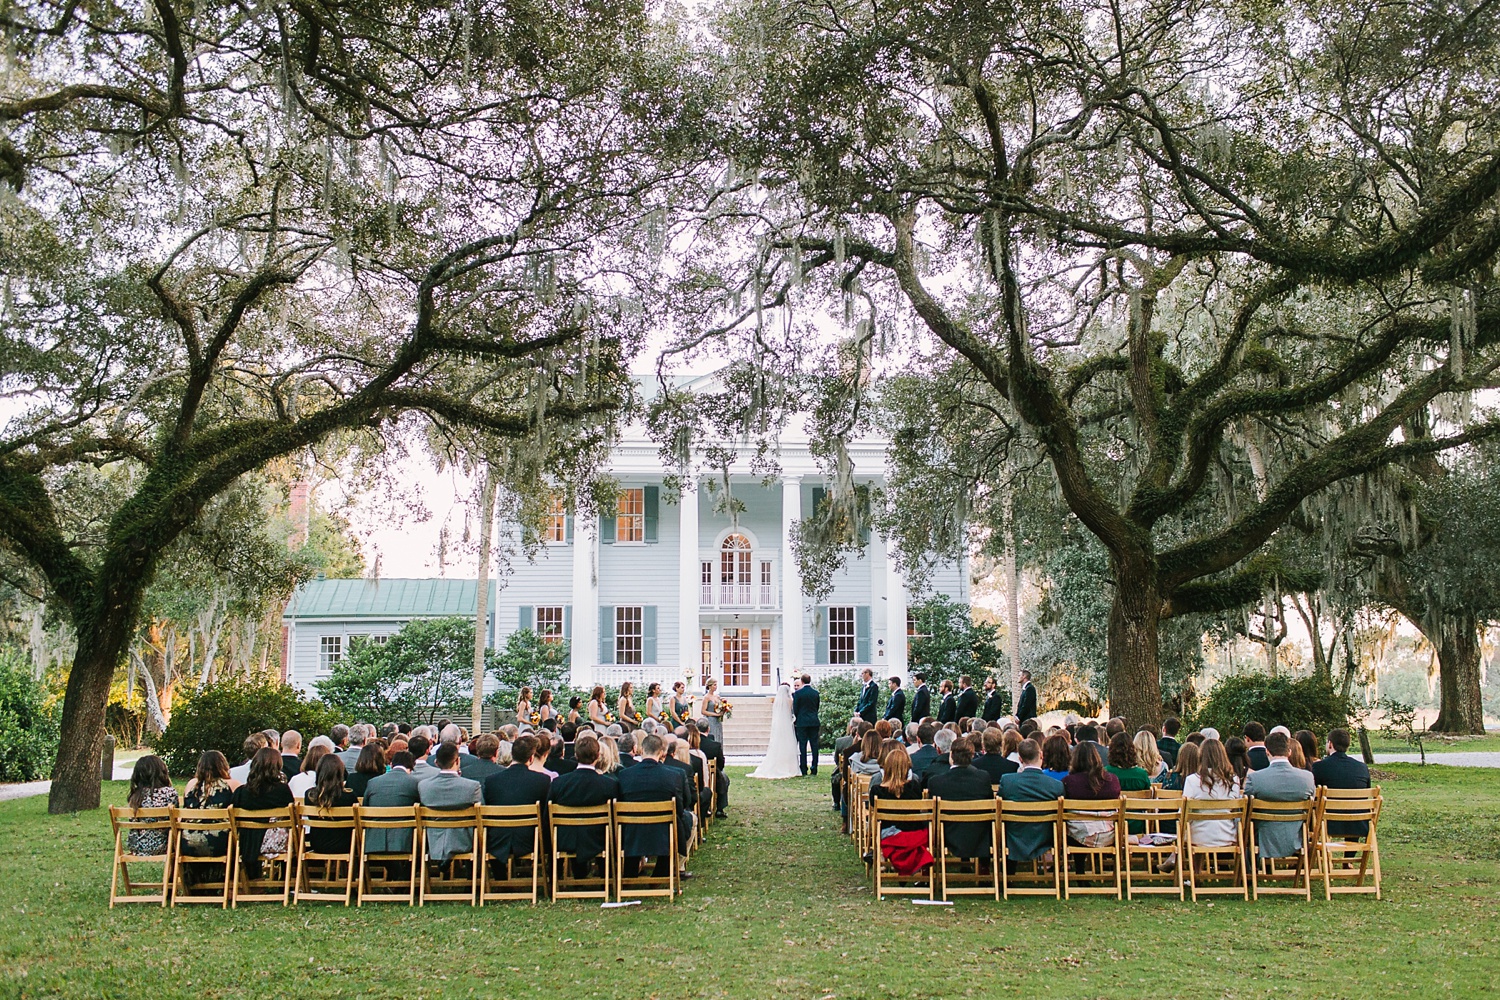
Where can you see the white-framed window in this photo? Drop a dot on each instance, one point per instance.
(706, 661)
(379, 640)
(765, 657)
(549, 623)
(734, 571)
(767, 588)
(555, 530)
(841, 635)
(330, 650)
(629, 635)
(630, 516)
(707, 582)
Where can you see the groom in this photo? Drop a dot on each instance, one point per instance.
(805, 721)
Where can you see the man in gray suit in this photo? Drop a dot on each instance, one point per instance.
(1279, 782)
(359, 733)
(447, 789)
(423, 768)
(397, 787)
(1029, 840)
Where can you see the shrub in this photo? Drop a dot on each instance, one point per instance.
(1297, 704)
(28, 724)
(414, 676)
(837, 696)
(225, 713)
(949, 644)
(527, 661)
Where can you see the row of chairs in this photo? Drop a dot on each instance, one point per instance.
(1170, 862)
(358, 875)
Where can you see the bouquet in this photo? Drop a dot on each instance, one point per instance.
(536, 718)
(639, 717)
(725, 708)
(609, 717)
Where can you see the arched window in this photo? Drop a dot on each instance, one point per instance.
(734, 570)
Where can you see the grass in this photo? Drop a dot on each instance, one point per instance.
(1488, 743)
(780, 908)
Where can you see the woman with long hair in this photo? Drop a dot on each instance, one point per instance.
(654, 707)
(680, 708)
(598, 711)
(1309, 744)
(1010, 742)
(1148, 755)
(523, 707)
(371, 764)
(904, 844)
(1125, 765)
(609, 756)
(210, 787)
(1187, 763)
(1057, 757)
(331, 792)
(264, 788)
(151, 788)
(1238, 752)
(1214, 779)
(713, 710)
(308, 776)
(544, 706)
(625, 706)
(1087, 779)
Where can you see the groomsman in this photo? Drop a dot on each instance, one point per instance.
(1026, 702)
(968, 698)
(921, 699)
(992, 707)
(896, 707)
(948, 707)
(868, 698)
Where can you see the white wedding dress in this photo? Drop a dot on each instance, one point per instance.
(781, 755)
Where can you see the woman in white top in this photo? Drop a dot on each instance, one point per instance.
(1215, 779)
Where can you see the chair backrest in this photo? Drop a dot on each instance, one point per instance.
(386, 817)
(126, 818)
(1091, 810)
(1350, 805)
(1269, 811)
(510, 817)
(1205, 810)
(263, 819)
(448, 819)
(905, 810)
(646, 813)
(1149, 810)
(333, 818)
(579, 815)
(1139, 793)
(967, 810)
(209, 820)
(1158, 792)
(1013, 811)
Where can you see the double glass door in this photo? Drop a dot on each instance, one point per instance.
(738, 657)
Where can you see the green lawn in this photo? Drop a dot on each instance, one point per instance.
(780, 908)
(1489, 742)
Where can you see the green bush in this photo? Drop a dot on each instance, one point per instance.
(1297, 704)
(28, 724)
(415, 676)
(837, 696)
(225, 713)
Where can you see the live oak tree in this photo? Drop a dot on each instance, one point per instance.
(1189, 249)
(229, 233)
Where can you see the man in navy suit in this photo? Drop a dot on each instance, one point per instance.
(583, 786)
(653, 781)
(948, 707)
(895, 708)
(869, 697)
(921, 699)
(524, 783)
(993, 707)
(968, 698)
(1339, 770)
(1026, 702)
(806, 722)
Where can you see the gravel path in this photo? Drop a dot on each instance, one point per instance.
(1457, 758)
(24, 790)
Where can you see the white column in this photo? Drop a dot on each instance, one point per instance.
(791, 580)
(688, 576)
(585, 641)
(895, 612)
(880, 643)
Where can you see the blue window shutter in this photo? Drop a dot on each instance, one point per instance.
(862, 633)
(568, 529)
(606, 634)
(648, 634)
(819, 494)
(820, 634)
(528, 617)
(606, 529)
(652, 497)
(567, 621)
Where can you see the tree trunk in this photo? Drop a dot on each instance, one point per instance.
(1134, 639)
(75, 776)
(1460, 704)
(1012, 600)
(482, 595)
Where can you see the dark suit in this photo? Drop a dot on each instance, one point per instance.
(1026, 703)
(1339, 770)
(688, 772)
(559, 764)
(993, 706)
(290, 765)
(478, 769)
(996, 765)
(895, 708)
(626, 760)
(714, 751)
(1259, 758)
(948, 709)
(517, 785)
(396, 787)
(806, 722)
(1030, 840)
(921, 703)
(968, 704)
(965, 784)
(869, 698)
(581, 787)
(933, 768)
(922, 756)
(652, 781)
(1168, 747)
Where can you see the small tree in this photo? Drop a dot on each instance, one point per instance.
(529, 660)
(1401, 724)
(949, 643)
(413, 676)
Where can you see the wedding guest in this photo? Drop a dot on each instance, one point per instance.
(329, 793)
(1087, 779)
(209, 788)
(1124, 765)
(1187, 763)
(712, 749)
(359, 735)
(291, 753)
(1293, 754)
(1239, 757)
(1255, 746)
(523, 783)
(609, 755)
(418, 747)
(584, 786)
(904, 843)
(926, 753)
(1215, 779)
(1309, 744)
(308, 776)
(252, 745)
(1279, 781)
(963, 782)
(1168, 745)
(371, 764)
(1029, 841)
(447, 789)
(485, 759)
(994, 762)
(150, 788)
(1057, 756)
(866, 760)
(652, 781)
(265, 787)
(1148, 756)
(1339, 770)
(942, 743)
(1010, 741)
(397, 788)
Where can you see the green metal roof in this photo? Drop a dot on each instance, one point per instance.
(384, 599)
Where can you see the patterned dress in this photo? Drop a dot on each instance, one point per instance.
(147, 842)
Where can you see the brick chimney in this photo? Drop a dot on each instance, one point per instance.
(298, 511)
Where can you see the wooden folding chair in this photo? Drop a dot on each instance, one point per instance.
(1338, 854)
(335, 876)
(267, 888)
(1267, 811)
(390, 820)
(888, 881)
(975, 883)
(564, 885)
(713, 793)
(1153, 814)
(645, 814)
(1097, 858)
(206, 821)
(123, 820)
(859, 809)
(1018, 815)
(1219, 863)
(512, 885)
(446, 887)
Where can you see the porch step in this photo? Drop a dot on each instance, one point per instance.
(748, 730)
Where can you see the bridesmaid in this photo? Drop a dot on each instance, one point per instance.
(653, 702)
(523, 707)
(598, 712)
(544, 706)
(713, 711)
(573, 704)
(680, 707)
(625, 708)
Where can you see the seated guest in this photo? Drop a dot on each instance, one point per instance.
(418, 747)
(264, 788)
(1215, 779)
(1148, 756)
(926, 753)
(1168, 745)
(1309, 744)
(963, 782)
(1196, 739)
(1010, 739)
(1087, 779)
(371, 764)
(1187, 763)
(1239, 757)
(447, 789)
(332, 792)
(583, 786)
(653, 781)
(609, 755)
(994, 761)
(1124, 765)
(303, 780)
(482, 763)
(291, 753)
(942, 742)
(1029, 841)
(208, 789)
(524, 783)
(1255, 747)
(556, 760)
(1279, 781)
(1339, 770)
(1293, 753)
(253, 743)
(1057, 756)
(713, 749)
(395, 789)
(150, 788)
(904, 844)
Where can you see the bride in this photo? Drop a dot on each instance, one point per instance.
(781, 755)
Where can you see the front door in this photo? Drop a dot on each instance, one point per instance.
(736, 658)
